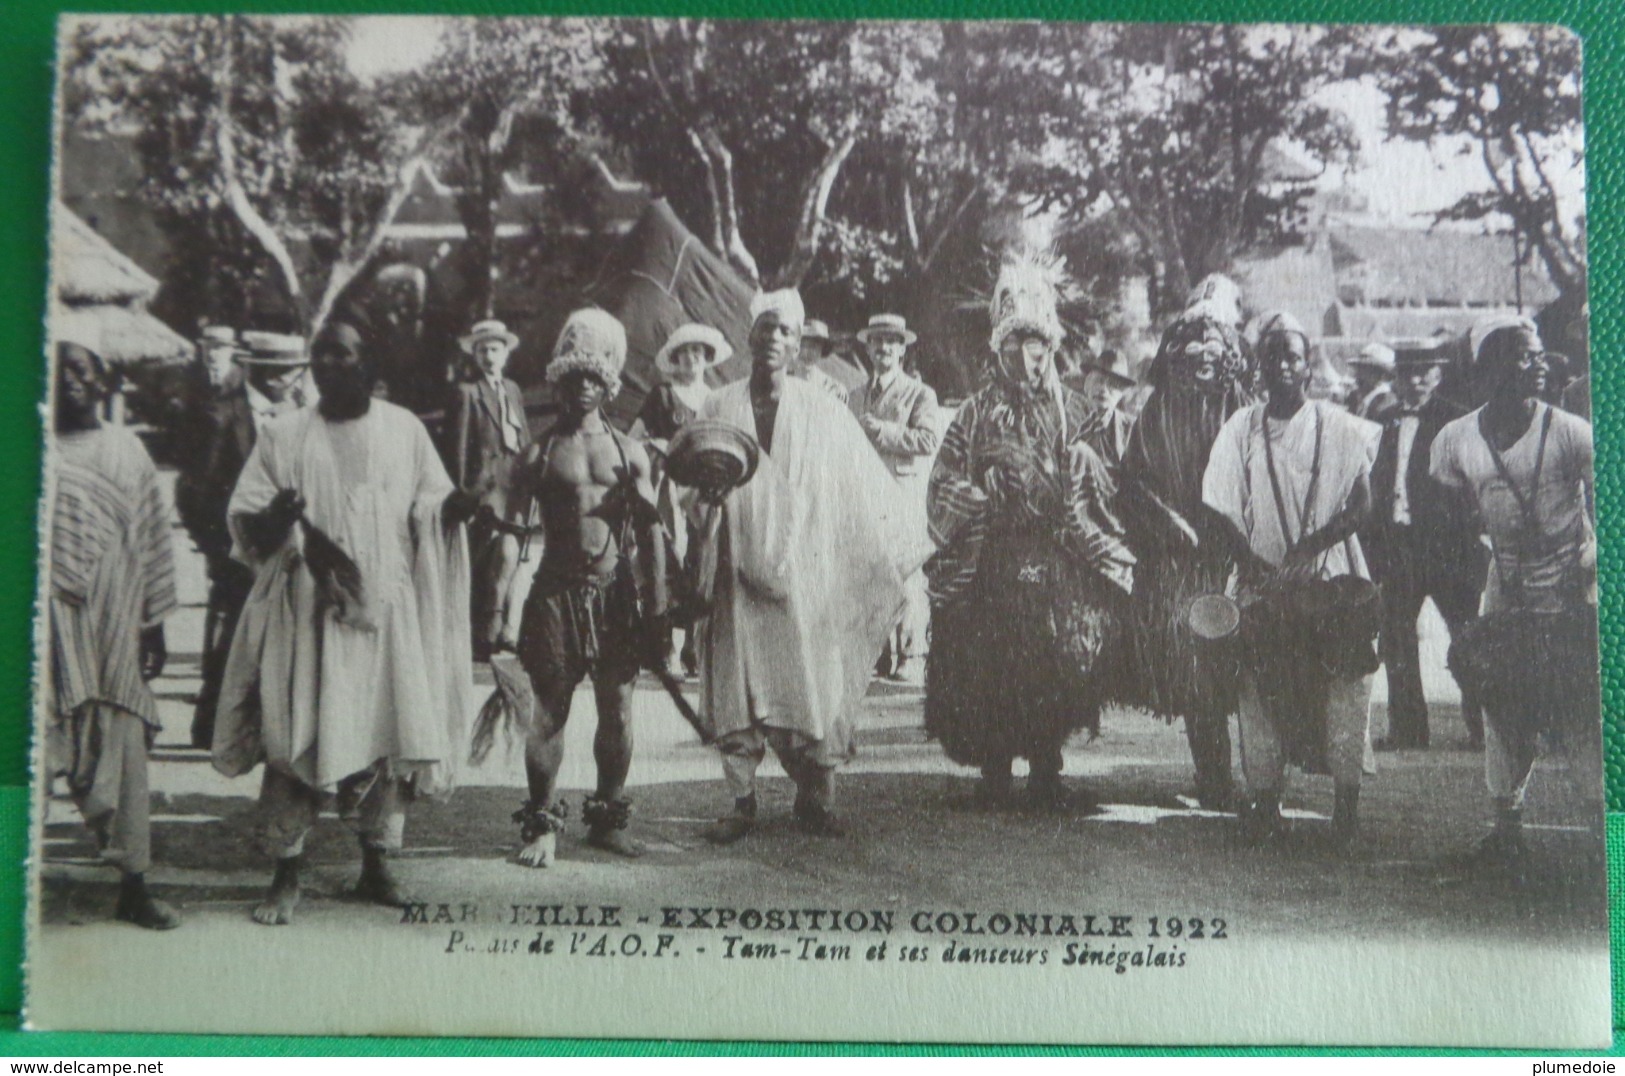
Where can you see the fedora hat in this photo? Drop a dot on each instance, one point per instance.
(272, 349)
(887, 323)
(217, 335)
(1420, 351)
(712, 340)
(487, 330)
(815, 330)
(1375, 355)
(1116, 368)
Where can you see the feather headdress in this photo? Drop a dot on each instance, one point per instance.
(1027, 296)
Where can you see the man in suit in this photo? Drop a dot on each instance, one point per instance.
(815, 353)
(272, 382)
(1105, 380)
(899, 413)
(1374, 369)
(488, 434)
(1422, 540)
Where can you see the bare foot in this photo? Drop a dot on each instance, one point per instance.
(616, 841)
(540, 852)
(283, 898)
(277, 909)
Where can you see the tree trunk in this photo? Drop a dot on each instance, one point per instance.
(233, 192)
(478, 207)
(720, 163)
(356, 260)
(814, 200)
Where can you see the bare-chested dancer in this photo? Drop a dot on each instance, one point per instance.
(584, 615)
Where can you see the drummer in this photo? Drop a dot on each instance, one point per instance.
(1291, 477)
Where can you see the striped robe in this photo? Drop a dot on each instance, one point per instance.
(960, 509)
(1025, 595)
(112, 571)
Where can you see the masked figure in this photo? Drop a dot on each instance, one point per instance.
(1200, 376)
(1031, 569)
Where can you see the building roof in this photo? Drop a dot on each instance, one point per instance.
(1299, 280)
(89, 269)
(121, 334)
(1380, 266)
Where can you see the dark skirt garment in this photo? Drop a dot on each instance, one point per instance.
(1023, 657)
(1176, 675)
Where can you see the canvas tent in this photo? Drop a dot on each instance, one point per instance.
(658, 278)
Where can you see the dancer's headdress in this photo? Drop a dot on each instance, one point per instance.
(591, 340)
(1026, 298)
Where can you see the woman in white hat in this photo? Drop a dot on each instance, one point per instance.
(683, 360)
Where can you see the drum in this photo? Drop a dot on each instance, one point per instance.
(1533, 667)
(1330, 622)
(1213, 618)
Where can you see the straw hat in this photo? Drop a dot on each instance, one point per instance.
(1420, 351)
(892, 324)
(272, 349)
(717, 346)
(217, 335)
(487, 330)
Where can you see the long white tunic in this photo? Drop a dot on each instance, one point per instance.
(815, 549)
(322, 699)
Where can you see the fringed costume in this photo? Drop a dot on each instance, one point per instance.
(1031, 569)
(1200, 377)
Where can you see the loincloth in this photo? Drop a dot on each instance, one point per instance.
(574, 626)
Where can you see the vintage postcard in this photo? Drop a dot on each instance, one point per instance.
(970, 532)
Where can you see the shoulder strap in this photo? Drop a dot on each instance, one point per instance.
(1275, 481)
(1528, 503)
(616, 435)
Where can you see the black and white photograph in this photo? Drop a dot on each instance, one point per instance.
(829, 530)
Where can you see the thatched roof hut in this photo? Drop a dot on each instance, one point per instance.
(102, 295)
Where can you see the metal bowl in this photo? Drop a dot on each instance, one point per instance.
(707, 454)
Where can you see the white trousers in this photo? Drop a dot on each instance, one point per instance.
(1348, 735)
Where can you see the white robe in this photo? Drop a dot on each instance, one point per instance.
(320, 699)
(816, 548)
(1237, 481)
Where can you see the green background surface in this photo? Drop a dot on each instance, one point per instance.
(26, 47)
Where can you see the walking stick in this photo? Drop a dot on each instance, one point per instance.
(675, 690)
